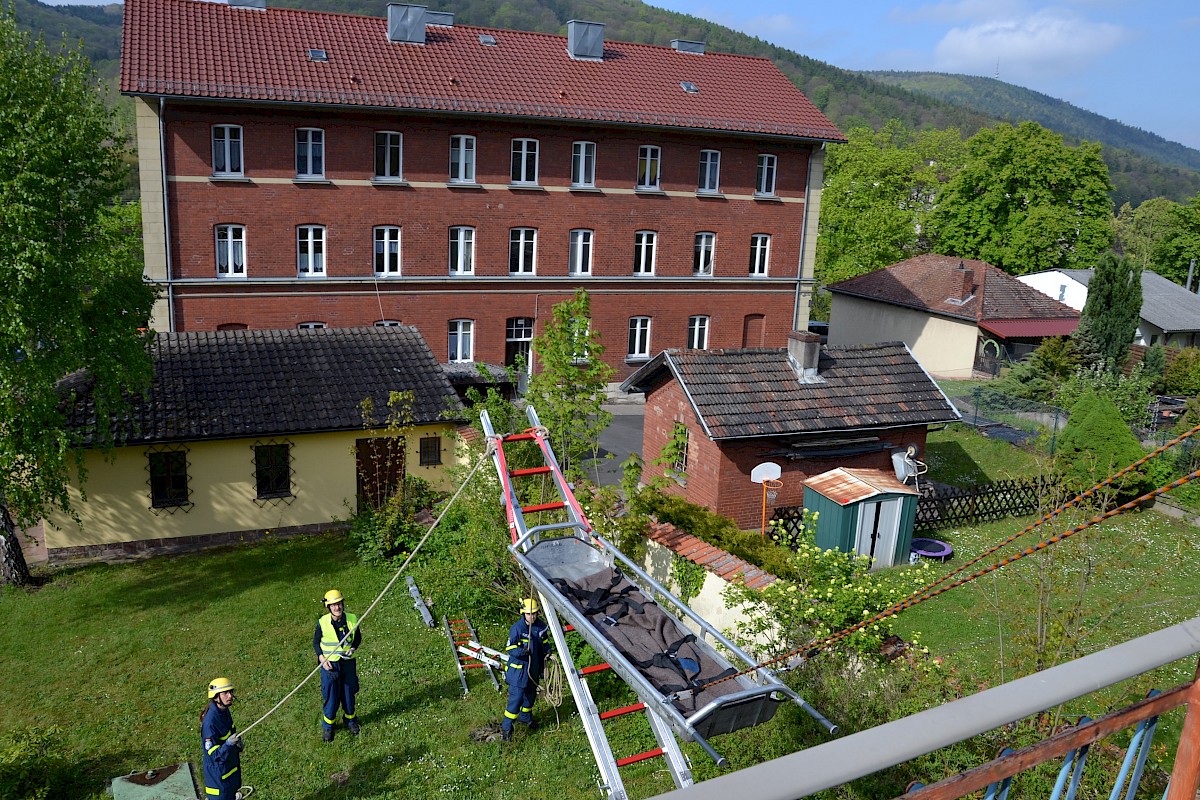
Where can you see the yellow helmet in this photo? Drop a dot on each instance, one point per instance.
(333, 596)
(529, 606)
(218, 685)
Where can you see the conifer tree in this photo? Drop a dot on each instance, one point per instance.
(1112, 311)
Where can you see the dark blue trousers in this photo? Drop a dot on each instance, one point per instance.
(520, 704)
(338, 689)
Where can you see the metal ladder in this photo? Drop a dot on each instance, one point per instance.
(523, 537)
(460, 632)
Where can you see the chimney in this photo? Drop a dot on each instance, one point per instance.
(967, 283)
(585, 40)
(442, 18)
(406, 23)
(804, 351)
(684, 46)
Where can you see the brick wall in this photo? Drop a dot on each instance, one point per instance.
(718, 476)
(270, 205)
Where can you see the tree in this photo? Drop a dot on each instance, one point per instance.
(1026, 202)
(1113, 308)
(74, 300)
(1144, 235)
(879, 190)
(1096, 443)
(569, 389)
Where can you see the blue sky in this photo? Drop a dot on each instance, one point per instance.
(1136, 61)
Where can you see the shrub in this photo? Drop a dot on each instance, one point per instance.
(1130, 394)
(1095, 444)
(1183, 376)
(31, 765)
(387, 535)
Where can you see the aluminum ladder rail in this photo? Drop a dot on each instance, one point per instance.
(593, 724)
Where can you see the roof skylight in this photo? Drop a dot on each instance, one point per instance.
(689, 87)
(317, 55)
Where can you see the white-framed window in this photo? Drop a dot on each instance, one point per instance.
(389, 156)
(639, 338)
(388, 323)
(305, 326)
(760, 253)
(680, 434)
(227, 150)
(462, 159)
(581, 252)
(649, 163)
(518, 340)
(387, 250)
(579, 331)
(524, 169)
(709, 181)
(764, 182)
(697, 334)
(702, 262)
(522, 249)
(231, 251)
(645, 243)
(310, 153)
(462, 333)
(462, 250)
(583, 164)
(310, 251)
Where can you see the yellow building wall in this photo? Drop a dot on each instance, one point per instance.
(944, 347)
(221, 482)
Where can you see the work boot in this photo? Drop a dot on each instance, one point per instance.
(533, 726)
(327, 735)
(506, 735)
(352, 726)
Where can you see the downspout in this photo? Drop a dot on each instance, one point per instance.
(803, 239)
(162, 164)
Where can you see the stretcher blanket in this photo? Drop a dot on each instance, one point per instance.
(668, 655)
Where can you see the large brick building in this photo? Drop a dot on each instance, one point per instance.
(312, 169)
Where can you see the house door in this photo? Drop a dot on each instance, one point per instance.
(753, 328)
(379, 464)
(878, 527)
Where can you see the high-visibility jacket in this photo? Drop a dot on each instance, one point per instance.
(331, 634)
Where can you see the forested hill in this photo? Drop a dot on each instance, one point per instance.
(1005, 101)
(849, 99)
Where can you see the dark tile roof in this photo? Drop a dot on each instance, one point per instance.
(1165, 304)
(229, 384)
(185, 48)
(756, 391)
(936, 284)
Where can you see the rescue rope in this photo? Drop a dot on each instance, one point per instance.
(936, 588)
(349, 633)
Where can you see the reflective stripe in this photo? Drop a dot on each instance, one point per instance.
(227, 774)
(526, 709)
(515, 665)
(329, 638)
(328, 721)
(227, 735)
(214, 749)
(211, 791)
(347, 716)
(509, 714)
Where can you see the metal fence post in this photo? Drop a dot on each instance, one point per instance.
(977, 392)
(1054, 432)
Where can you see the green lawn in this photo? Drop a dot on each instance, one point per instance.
(960, 456)
(119, 657)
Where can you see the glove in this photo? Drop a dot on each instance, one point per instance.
(234, 740)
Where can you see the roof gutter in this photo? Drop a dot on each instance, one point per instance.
(162, 168)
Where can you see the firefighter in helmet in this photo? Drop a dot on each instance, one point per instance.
(335, 641)
(528, 646)
(222, 745)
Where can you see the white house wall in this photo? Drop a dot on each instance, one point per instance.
(1057, 286)
(944, 347)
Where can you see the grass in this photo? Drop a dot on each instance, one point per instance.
(119, 656)
(959, 456)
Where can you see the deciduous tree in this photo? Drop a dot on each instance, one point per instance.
(1026, 202)
(73, 298)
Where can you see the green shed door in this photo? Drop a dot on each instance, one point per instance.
(878, 528)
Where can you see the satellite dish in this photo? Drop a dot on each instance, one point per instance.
(766, 471)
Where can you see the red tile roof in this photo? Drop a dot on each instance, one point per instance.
(936, 283)
(1030, 328)
(713, 559)
(186, 48)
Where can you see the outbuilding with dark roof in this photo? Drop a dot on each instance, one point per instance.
(248, 433)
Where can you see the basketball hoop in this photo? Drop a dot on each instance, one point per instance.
(772, 488)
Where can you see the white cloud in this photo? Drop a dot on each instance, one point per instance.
(1043, 44)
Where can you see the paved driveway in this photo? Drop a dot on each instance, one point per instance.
(622, 437)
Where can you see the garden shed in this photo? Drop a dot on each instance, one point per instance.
(864, 511)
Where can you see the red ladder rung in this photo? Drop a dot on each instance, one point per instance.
(616, 712)
(517, 437)
(594, 668)
(655, 753)
(543, 507)
(521, 473)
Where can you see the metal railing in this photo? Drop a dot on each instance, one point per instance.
(832, 764)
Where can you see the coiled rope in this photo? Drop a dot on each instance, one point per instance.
(940, 586)
(486, 454)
